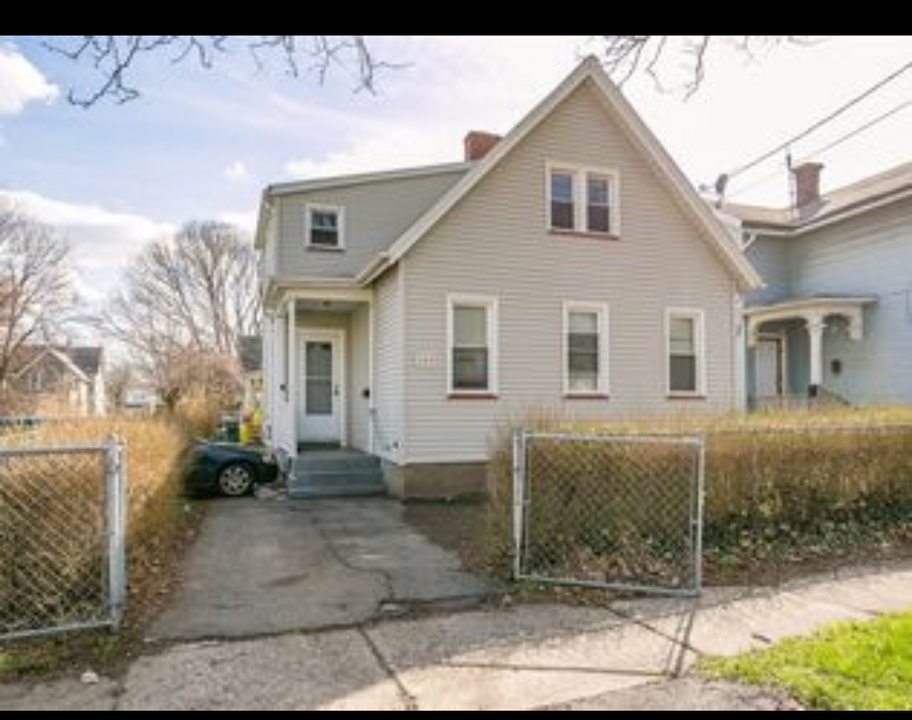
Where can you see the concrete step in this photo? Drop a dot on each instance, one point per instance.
(304, 491)
(338, 477)
(336, 462)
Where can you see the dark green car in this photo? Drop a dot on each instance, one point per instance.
(229, 469)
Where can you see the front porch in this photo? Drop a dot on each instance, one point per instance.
(318, 356)
(798, 351)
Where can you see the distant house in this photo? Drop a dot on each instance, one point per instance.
(835, 317)
(568, 265)
(57, 380)
(140, 400)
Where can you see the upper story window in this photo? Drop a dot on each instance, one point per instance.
(584, 200)
(325, 227)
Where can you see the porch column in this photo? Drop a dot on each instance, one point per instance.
(815, 327)
(292, 378)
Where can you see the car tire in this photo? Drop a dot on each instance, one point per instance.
(236, 480)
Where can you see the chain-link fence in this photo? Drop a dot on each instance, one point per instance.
(617, 512)
(62, 539)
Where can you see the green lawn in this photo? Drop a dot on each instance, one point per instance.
(851, 666)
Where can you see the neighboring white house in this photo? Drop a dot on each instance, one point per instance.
(568, 266)
(835, 318)
(60, 381)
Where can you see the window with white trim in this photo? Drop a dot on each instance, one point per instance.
(472, 345)
(685, 337)
(585, 349)
(583, 200)
(325, 226)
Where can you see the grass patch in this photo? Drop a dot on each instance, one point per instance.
(851, 666)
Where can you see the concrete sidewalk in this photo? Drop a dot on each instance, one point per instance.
(525, 657)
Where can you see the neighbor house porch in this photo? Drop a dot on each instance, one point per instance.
(798, 351)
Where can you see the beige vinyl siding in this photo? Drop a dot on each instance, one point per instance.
(495, 242)
(388, 365)
(376, 214)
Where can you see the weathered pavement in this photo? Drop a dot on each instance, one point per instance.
(515, 658)
(269, 567)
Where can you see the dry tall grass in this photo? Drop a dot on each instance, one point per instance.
(155, 451)
(778, 485)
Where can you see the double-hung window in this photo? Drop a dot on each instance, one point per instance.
(585, 349)
(583, 200)
(325, 227)
(472, 345)
(685, 334)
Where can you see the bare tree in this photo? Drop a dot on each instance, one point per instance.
(118, 378)
(36, 291)
(660, 55)
(114, 58)
(184, 304)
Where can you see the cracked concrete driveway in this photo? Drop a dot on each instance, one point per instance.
(263, 567)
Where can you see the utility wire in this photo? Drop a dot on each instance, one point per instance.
(763, 180)
(820, 123)
(857, 131)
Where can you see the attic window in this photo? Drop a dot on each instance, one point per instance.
(583, 200)
(325, 227)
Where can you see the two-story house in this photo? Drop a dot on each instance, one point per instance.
(568, 266)
(834, 320)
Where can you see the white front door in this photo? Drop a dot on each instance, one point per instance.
(321, 390)
(768, 368)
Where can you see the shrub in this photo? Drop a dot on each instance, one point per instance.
(779, 487)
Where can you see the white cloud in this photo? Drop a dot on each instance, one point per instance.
(397, 147)
(21, 83)
(237, 172)
(103, 241)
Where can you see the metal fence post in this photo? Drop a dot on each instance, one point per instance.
(519, 495)
(115, 506)
(699, 518)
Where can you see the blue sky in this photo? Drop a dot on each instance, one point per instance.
(201, 144)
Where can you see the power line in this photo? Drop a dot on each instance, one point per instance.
(857, 131)
(820, 123)
(763, 180)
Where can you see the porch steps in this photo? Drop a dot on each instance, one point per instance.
(336, 473)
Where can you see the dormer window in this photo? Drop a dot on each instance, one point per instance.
(325, 227)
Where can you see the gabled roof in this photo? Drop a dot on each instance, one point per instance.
(867, 194)
(28, 356)
(87, 359)
(343, 181)
(642, 138)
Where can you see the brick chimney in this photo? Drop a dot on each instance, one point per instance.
(478, 144)
(807, 184)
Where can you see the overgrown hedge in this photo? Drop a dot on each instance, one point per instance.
(780, 489)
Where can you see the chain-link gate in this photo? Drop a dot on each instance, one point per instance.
(610, 512)
(62, 539)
